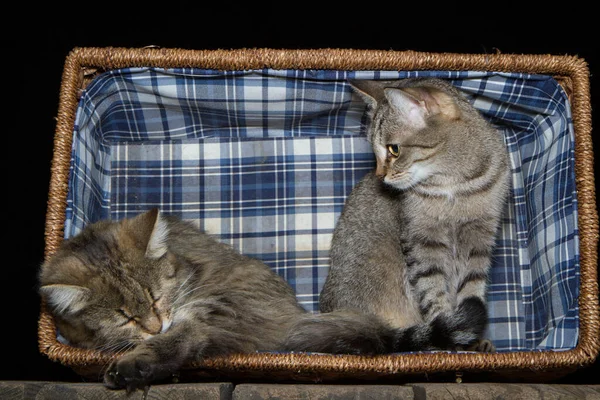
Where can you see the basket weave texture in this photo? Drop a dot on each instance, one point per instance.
(571, 72)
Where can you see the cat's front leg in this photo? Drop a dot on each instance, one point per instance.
(427, 273)
(475, 240)
(432, 267)
(155, 359)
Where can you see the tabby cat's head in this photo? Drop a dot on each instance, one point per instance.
(112, 286)
(421, 128)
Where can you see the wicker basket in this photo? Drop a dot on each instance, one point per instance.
(83, 64)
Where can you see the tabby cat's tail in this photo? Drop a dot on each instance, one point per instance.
(461, 330)
(352, 332)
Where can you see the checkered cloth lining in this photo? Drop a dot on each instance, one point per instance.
(264, 160)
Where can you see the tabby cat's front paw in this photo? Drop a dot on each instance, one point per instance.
(132, 371)
(483, 346)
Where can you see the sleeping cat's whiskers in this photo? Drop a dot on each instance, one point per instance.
(183, 295)
(185, 281)
(181, 307)
(206, 302)
(115, 346)
(125, 348)
(178, 293)
(103, 369)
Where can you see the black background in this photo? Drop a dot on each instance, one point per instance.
(35, 42)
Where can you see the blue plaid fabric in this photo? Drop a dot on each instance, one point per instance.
(265, 159)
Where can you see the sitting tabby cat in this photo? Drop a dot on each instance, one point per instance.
(171, 294)
(415, 238)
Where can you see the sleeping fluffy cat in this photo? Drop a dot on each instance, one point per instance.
(414, 241)
(165, 294)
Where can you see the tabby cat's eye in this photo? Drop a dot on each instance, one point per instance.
(393, 149)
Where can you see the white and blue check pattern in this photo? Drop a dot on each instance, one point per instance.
(265, 159)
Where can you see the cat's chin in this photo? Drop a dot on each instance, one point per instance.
(402, 183)
(398, 185)
(433, 191)
(408, 179)
(436, 192)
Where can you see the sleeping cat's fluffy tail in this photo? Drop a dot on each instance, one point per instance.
(340, 332)
(352, 332)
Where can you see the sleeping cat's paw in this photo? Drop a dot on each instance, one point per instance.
(134, 371)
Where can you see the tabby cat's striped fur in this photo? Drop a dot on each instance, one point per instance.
(414, 241)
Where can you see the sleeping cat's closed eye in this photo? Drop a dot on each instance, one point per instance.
(152, 296)
(127, 319)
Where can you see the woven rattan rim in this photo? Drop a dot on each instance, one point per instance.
(573, 69)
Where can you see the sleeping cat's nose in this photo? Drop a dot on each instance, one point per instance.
(152, 324)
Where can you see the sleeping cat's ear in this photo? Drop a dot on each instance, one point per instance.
(418, 103)
(65, 298)
(150, 230)
(157, 245)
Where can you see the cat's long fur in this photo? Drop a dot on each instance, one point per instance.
(414, 242)
(170, 294)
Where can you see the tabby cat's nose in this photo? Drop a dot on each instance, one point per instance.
(380, 172)
(381, 169)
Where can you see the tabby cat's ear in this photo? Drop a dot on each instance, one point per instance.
(65, 299)
(151, 231)
(418, 103)
(412, 110)
(371, 92)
